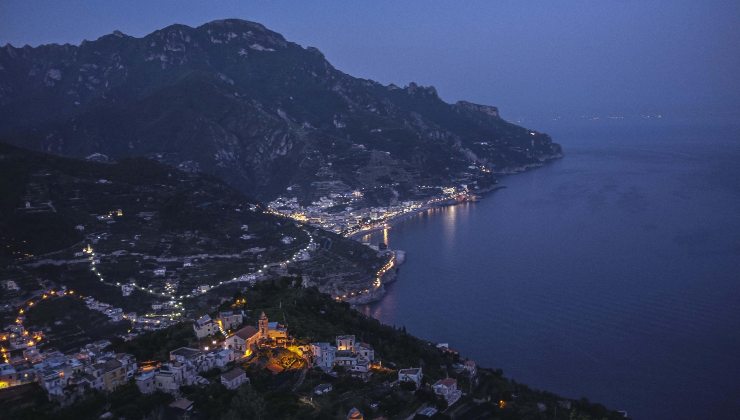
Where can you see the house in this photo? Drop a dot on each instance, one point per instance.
(186, 355)
(204, 326)
(230, 320)
(160, 272)
(223, 357)
(366, 351)
(346, 343)
(168, 380)
(145, 382)
(323, 355)
(180, 409)
(112, 372)
(128, 361)
(345, 358)
(362, 365)
(53, 381)
(447, 388)
(322, 389)
(414, 375)
(243, 341)
(234, 378)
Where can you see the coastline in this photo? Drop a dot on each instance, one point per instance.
(392, 275)
(397, 219)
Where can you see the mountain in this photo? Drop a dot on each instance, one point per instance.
(233, 99)
(139, 216)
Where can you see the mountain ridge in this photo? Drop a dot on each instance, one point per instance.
(237, 100)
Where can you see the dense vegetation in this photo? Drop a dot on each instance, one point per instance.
(141, 215)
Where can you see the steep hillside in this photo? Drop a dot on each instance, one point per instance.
(163, 234)
(234, 99)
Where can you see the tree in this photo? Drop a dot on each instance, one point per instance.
(246, 404)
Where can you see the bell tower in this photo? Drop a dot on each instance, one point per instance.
(263, 326)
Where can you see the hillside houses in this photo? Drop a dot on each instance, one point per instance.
(228, 320)
(183, 368)
(66, 378)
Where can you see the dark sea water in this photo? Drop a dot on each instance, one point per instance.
(613, 273)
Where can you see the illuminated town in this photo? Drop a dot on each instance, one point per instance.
(340, 212)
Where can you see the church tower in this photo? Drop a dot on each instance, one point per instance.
(263, 326)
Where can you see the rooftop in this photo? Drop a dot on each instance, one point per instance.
(203, 320)
(185, 352)
(182, 404)
(246, 332)
(232, 374)
(448, 382)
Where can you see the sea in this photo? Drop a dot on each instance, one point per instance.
(611, 274)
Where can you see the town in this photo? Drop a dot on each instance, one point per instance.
(347, 213)
(228, 348)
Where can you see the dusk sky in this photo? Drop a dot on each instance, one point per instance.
(531, 58)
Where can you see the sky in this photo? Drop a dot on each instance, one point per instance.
(532, 59)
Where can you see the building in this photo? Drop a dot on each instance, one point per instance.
(243, 341)
(180, 409)
(230, 320)
(234, 378)
(447, 388)
(187, 355)
(414, 375)
(223, 357)
(145, 382)
(277, 333)
(271, 331)
(168, 380)
(113, 373)
(366, 351)
(322, 389)
(362, 365)
(323, 355)
(204, 327)
(345, 358)
(346, 343)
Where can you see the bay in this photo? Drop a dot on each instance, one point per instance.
(613, 273)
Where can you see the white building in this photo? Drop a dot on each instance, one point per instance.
(204, 326)
(447, 388)
(346, 343)
(145, 382)
(366, 351)
(323, 355)
(243, 341)
(414, 375)
(230, 320)
(234, 378)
